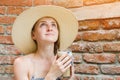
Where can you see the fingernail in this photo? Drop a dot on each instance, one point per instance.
(69, 53)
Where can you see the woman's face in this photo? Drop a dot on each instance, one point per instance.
(46, 29)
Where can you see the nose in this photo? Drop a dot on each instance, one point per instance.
(49, 27)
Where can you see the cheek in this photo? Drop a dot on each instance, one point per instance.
(38, 35)
(57, 34)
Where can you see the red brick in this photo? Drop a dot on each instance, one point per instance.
(7, 59)
(9, 49)
(89, 25)
(6, 40)
(2, 10)
(8, 77)
(2, 70)
(99, 35)
(118, 36)
(93, 47)
(111, 23)
(86, 68)
(9, 30)
(110, 69)
(106, 78)
(76, 48)
(42, 2)
(16, 2)
(94, 2)
(68, 3)
(95, 77)
(91, 36)
(15, 10)
(111, 47)
(6, 20)
(8, 69)
(78, 37)
(2, 49)
(119, 58)
(117, 78)
(88, 78)
(77, 77)
(77, 57)
(99, 58)
(87, 47)
(1, 30)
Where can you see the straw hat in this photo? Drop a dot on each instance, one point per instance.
(21, 31)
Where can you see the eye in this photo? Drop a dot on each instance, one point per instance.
(54, 25)
(42, 24)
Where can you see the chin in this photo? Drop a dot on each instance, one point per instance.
(51, 41)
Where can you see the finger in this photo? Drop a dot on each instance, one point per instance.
(62, 57)
(66, 59)
(68, 66)
(68, 63)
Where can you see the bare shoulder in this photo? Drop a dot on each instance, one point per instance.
(22, 67)
(23, 60)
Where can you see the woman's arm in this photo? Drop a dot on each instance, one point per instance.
(20, 69)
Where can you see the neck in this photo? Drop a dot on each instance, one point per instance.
(45, 51)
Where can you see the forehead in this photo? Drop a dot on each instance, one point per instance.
(47, 19)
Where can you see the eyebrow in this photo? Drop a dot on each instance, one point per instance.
(51, 22)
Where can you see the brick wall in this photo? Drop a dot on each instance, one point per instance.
(96, 47)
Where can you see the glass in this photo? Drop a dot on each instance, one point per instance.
(68, 73)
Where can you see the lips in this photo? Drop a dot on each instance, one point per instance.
(49, 34)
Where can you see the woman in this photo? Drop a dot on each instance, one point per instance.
(41, 36)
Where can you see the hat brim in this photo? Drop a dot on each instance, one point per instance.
(21, 31)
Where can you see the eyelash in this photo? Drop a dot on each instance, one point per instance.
(54, 25)
(43, 24)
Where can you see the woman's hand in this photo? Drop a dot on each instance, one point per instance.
(59, 66)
